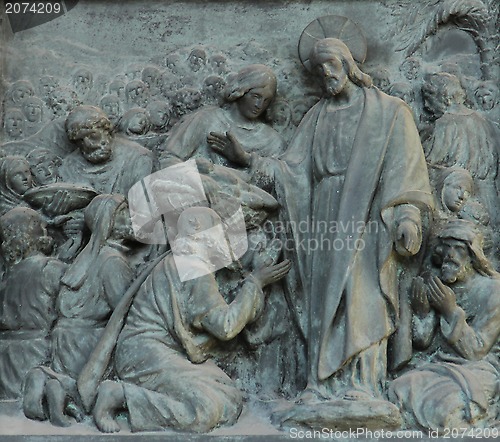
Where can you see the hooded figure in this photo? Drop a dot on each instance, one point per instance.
(92, 286)
(15, 180)
(163, 355)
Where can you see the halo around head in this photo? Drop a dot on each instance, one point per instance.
(332, 26)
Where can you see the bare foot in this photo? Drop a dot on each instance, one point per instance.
(56, 400)
(34, 387)
(110, 398)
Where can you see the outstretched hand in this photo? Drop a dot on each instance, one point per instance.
(269, 274)
(228, 146)
(419, 301)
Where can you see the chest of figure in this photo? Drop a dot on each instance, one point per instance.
(335, 138)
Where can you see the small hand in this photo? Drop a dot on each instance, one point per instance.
(269, 274)
(408, 238)
(59, 201)
(74, 226)
(442, 297)
(228, 146)
(419, 301)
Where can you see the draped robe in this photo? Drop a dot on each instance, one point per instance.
(359, 169)
(461, 382)
(164, 350)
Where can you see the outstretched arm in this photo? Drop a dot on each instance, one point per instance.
(225, 321)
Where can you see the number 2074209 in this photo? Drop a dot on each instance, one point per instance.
(33, 8)
(472, 433)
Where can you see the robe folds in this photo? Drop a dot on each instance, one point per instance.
(189, 138)
(27, 314)
(361, 170)
(164, 350)
(455, 381)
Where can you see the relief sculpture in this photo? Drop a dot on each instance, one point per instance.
(301, 236)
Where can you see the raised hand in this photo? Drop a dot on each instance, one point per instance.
(442, 297)
(269, 274)
(419, 301)
(228, 146)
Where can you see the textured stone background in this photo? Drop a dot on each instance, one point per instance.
(113, 32)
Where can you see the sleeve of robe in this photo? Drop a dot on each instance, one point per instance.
(186, 137)
(117, 276)
(222, 320)
(52, 275)
(404, 181)
(474, 340)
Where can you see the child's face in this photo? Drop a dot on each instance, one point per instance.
(455, 195)
(45, 172)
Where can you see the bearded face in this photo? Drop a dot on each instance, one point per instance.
(456, 261)
(95, 145)
(332, 75)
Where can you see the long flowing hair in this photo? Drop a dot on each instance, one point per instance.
(250, 77)
(327, 48)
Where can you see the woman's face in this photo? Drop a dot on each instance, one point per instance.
(486, 98)
(82, 81)
(455, 195)
(135, 92)
(118, 88)
(47, 85)
(111, 107)
(160, 116)
(254, 103)
(20, 179)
